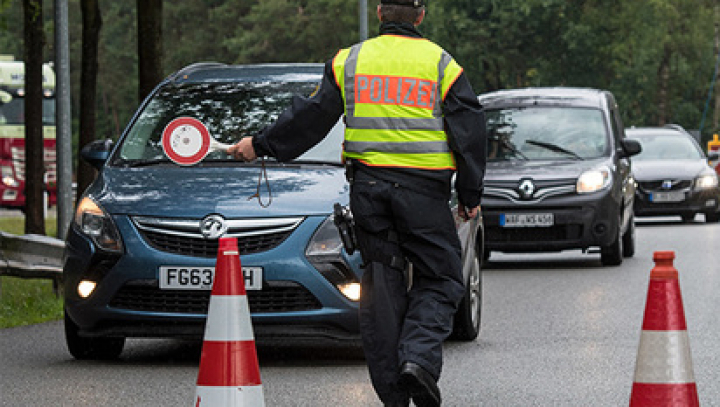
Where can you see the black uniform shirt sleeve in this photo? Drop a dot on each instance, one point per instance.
(465, 127)
(304, 123)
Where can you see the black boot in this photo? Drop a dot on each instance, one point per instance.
(420, 384)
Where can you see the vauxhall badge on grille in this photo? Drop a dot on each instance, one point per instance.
(213, 227)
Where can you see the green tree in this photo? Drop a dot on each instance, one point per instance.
(294, 31)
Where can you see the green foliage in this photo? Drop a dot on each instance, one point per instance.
(28, 301)
(610, 44)
(293, 31)
(656, 56)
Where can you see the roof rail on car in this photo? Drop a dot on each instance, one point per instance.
(675, 127)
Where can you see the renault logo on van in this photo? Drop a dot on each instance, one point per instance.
(213, 226)
(526, 188)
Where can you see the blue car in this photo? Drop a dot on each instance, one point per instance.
(142, 247)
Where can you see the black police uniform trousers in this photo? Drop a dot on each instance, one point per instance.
(399, 324)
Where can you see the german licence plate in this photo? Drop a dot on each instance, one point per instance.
(524, 220)
(667, 196)
(201, 278)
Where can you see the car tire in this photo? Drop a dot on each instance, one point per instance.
(86, 348)
(466, 325)
(628, 239)
(612, 254)
(687, 217)
(712, 217)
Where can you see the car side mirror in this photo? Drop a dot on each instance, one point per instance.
(629, 148)
(97, 152)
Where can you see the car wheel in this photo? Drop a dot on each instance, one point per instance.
(84, 348)
(628, 239)
(612, 254)
(712, 217)
(466, 325)
(687, 217)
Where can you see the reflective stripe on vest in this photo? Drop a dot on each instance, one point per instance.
(394, 115)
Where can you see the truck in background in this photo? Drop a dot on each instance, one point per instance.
(12, 133)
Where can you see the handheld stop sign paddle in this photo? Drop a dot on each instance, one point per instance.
(186, 141)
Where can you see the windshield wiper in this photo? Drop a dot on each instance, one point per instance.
(555, 148)
(145, 163)
(315, 162)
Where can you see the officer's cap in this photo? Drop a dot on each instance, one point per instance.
(411, 3)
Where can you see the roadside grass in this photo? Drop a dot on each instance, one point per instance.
(16, 225)
(27, 301)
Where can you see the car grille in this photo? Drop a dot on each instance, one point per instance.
(276, 296)
(182, 236)
(674, 185)
(509, 190)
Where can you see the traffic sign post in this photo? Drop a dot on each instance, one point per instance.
(186, 141)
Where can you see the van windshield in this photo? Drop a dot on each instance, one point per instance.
(13, 112)
(228, 110)
(546, 133)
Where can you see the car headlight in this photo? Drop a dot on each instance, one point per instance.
(8, 178)
(92, 220)
(325, 253)
(593, 180)
(326, 240)
(707, 180)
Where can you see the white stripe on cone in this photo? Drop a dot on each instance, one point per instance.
(664, 358)
(215, 396)
(224, 308)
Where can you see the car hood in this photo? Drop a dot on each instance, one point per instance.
(662, 169)
(193, 192)
(538, 170)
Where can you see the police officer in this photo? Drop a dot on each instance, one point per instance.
(412, 120)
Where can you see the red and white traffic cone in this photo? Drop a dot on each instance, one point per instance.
(663, 371)
(229, 372)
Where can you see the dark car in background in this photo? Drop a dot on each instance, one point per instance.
(141, 250)
(673, 176)
(558, 174)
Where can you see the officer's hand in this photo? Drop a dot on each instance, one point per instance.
(466, 213)
(243, 150)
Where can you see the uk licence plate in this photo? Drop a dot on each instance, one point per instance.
(667, 196)
(201, 278)
(524, 220)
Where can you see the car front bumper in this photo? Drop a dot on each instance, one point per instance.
(579, 222)
(695, 201)
(295, 300)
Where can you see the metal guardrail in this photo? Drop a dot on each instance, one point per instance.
(31, 256)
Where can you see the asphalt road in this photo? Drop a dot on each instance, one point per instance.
(557, 330)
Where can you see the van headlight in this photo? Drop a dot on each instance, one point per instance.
(706, 181)
(593, 180)
(8, 178)
(324, 252)
(93, 221)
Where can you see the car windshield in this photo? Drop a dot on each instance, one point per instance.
(228, 110)
(546, 133)
(665, 147)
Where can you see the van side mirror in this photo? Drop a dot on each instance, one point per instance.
(629, 148)
(97, 152)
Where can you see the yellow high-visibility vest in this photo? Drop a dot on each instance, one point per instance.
(393, 87)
